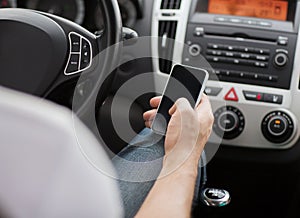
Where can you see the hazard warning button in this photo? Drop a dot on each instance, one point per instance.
(231, 95)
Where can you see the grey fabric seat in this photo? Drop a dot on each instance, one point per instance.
(48, 168)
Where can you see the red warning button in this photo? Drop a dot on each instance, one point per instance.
(231, 95)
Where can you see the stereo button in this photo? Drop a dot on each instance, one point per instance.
(250, 22)
(212, 59)
(282, 40)
(269, 78)
(264, 24)
(195, 50)
(281, 59)
(261, 58)
(215, 46)
(261, 64)
(221, 19)
(199, 31)
(235, 20)
(262, 51)
(246, 56)
(214, 52)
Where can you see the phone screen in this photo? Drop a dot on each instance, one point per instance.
(184, 82)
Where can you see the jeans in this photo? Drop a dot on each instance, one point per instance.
(138, 165)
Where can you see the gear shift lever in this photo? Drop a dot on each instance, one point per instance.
(212, 197)
(215, 197)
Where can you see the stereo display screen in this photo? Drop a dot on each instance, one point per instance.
(267, 9)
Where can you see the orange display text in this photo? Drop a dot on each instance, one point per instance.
(269, 9)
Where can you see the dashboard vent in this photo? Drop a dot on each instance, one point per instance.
(170, 4)
(167, 34)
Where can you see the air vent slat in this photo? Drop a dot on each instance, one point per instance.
(177, 4)
(167, 32)
(170, 4)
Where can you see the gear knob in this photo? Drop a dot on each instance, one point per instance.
(215, 197)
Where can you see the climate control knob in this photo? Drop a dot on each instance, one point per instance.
(229, 122)
(277, 127)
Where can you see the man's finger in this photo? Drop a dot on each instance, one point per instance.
(181, 104)
(148, 123)
(204, 102)
(149, 115)
(154, 102)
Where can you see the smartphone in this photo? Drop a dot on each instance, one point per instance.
(184, 82)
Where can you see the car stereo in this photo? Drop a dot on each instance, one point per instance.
(245, 41)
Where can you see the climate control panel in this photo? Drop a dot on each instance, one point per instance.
(258, 118)
(277, 127)
(229, 122)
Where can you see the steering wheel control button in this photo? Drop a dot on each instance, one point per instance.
(231, 95)
(80, 57)
(215, 197)
(277, 127)
(75, 43)
(212, 91)
(85, 55)
(229, 122)
(73, 63)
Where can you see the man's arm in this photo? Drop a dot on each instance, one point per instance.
(188, 131)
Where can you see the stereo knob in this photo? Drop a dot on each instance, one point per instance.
(277, 127)
(195, 50)
(280, 59)
(229, 122)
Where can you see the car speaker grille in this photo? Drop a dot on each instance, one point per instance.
(167, 34)
(170, 4)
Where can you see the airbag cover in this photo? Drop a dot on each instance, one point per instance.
(33, 50)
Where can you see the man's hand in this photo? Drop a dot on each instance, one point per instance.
(188, 129)
(187, 134)
(149, 115)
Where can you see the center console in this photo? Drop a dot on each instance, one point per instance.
(246, 50)
(253, 48)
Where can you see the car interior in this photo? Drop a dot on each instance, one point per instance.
(82, 55)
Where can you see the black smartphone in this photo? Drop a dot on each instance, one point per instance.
(184, 82)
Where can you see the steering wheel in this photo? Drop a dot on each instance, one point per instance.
(40, 51)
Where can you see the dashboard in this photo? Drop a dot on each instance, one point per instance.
(83, 12)
(250, 50)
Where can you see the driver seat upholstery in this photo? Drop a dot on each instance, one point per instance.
(45, 165)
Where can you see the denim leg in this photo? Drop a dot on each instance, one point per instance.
(138, 166)
(136, 180)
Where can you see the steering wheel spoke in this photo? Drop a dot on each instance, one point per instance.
(44, 51)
